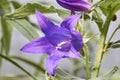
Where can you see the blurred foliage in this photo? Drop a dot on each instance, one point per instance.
(110, 7)
(16, 15)
(25, 28)
(15, 78)
(30, 8)
(6, 30)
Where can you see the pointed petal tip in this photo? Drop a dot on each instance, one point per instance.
(80, 56)
(51, 64)
(44, 23)
(78, 16)
(23, 49)
(70, 22)
(37, 11)
(52, 74)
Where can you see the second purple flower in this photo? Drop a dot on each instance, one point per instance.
(75, 5)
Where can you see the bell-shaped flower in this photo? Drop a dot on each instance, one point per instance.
(58, 42)
(75, 5)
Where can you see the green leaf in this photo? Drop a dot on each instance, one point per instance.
(107, 76)
(1, 12)
(17, 65)
(15, 78)
(6, 29)
(66, 76)
(98, 20)
(6, 36)
(31, 63)
(24, 28)
(30, 8)
(41, 61)
(116, 76)
(110, 7)
(4, 6)
(16, 4)
(88, 36)
(115, 44)
(63, 13)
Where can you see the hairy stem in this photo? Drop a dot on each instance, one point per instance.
(87, 62)
(99, 54)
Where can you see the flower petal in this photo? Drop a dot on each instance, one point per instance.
(77, 40)
(51, 64)
(40, 45)
(73, 53)
(45, 24)
(59, 35)
(75, 5)
(70, 22)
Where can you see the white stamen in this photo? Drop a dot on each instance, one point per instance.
(59, 46)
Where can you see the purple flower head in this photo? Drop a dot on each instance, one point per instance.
(58, 42)
(75, 5)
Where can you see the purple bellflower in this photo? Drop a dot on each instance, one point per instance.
(75, 5)
(58, 42)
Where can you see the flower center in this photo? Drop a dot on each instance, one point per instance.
(64, 46)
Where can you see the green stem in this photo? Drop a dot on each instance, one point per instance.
(99, 19)
(1, 43)
(17, 65)
(1, 48)
(111, 37)
(87, 62)
(99, 54)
